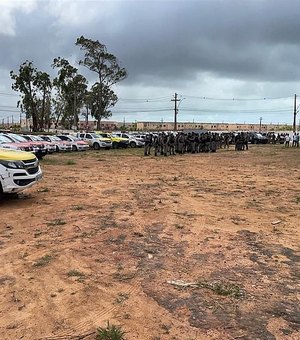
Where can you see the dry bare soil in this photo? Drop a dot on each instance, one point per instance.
(202, 246)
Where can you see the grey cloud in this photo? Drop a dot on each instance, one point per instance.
(170, 44)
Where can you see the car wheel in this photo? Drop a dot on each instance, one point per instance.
(114, 145)
(57, 148)
(74, 148)
(132, 144)
(96, 146)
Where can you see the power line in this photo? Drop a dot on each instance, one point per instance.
(237, 99)
(158, 99)
(1, 110)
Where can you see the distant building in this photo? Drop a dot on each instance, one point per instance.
(167, 126)
(109, 125)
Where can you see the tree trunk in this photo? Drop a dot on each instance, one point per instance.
(99, 124)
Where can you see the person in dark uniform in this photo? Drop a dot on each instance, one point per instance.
(148, 144)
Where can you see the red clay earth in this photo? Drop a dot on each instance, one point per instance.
(202, 246)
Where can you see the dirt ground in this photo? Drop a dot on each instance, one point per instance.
(202, 246)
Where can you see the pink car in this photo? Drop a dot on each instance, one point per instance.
(6, 142)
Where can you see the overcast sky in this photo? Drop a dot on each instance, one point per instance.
(231, 61)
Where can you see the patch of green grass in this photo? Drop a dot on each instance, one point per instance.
(70, 162)
(298, 199)
(43, 261)
(224, 289)
(110, 332)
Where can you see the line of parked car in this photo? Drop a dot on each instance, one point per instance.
(19, 153)
(41, 145)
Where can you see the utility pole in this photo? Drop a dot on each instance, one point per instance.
(74, 108)
(295, 113)
(175, 100)
(260, 119)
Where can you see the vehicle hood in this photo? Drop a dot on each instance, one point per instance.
(104, 139)
(120, 139)
(11, 155)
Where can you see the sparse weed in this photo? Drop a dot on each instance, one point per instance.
(75, 273)
(225, 289)
(77, 207)
(122, 297)
(44, 190)
(111, 332)
(43, 261)
(56, 222)
(174, 194)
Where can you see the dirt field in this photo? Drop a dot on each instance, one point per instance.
(201, 246)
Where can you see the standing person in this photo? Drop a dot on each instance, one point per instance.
(192, 143)
(213, 142)
(165, 140)
(238, 142)
(294, 140)
(148, 142)
(297, 140)
(181, 142)
(156, 144)
(287, 141)
(171, 142)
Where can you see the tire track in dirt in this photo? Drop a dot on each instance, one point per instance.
(84, 326)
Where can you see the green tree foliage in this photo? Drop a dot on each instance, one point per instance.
(109, 72)
(35, 89)
(70, 88)
(101, 97)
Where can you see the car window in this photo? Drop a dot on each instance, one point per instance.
(4, 139)
(17, 137)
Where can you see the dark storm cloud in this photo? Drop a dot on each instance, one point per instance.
(165, 41)
(221, 47)
(236, 39)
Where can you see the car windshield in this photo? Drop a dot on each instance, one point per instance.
(55, 138)
(94, 135)
(17, 138)
(4, 139)
(37, 138)
(103, 135)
